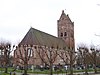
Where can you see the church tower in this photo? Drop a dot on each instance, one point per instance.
(66, 30)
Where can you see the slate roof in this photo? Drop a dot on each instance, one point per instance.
(37, 37)
(63, 15)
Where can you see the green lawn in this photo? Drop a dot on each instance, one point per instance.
(42, 72)
(4, 74)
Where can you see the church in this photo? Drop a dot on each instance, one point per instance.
(38, 42)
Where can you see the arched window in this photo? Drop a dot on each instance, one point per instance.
(29, 52)
(65, 34)
(61, 34)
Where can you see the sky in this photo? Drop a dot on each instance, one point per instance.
(18, 16)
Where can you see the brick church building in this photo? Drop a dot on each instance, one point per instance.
(36, 39)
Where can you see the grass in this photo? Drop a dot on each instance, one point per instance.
(58, 71)
(4, 74)
(37, 71)
(9, 69)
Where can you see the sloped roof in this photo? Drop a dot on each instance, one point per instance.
(36, 37)
(63, 15)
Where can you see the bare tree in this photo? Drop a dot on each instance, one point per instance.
(63, 54)
(83, 51)
(68, 56)
(23, 54)
(94, 57)
(1, 56)
(48, 55)
(5, 53)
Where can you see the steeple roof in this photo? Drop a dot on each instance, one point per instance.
(63, 15)
(37, 37)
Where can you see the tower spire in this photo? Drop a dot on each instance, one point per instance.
(62, 11)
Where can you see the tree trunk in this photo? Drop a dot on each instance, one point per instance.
(25, 70)
(6, 69)
(86, 72)
(71, 69)
(51, 69)
(94, 66)
(94, 63)
(71, 63)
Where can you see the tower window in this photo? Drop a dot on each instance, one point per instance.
(61, 35)
(65, 34)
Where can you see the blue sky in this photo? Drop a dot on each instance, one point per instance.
(17, 16)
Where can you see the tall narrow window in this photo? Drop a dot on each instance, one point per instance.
(65, 34)
(29, 52)
(61, 35)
